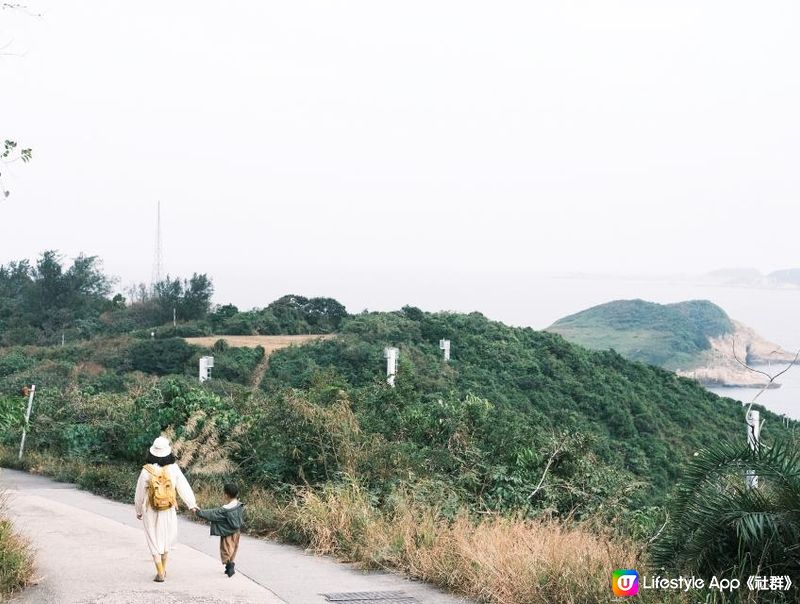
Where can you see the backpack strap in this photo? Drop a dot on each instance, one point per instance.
(151, 470)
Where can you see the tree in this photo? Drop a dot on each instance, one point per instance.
(298, 314)
(197, 294)
(46, 298)
(190, 299)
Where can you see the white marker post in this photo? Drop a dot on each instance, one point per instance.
(754, 440)
(27, 421)
(391, 354)
(206, 364)
(445, 345)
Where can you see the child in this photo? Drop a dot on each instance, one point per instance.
(226, 522)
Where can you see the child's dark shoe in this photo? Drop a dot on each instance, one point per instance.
(230, 569)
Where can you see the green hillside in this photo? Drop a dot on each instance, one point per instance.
(482, 426)
(673, 336)
(521, 432)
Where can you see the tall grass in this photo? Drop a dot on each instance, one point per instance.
(16, 557)
(494, 559)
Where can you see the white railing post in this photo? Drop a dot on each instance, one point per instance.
(206, 365)
(390, 354)
(27, 421)
(753, 419)
(445, 346)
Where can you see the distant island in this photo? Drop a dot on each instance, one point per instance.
(694, 339)
(751, 277)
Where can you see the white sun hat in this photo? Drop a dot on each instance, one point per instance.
(161, 447)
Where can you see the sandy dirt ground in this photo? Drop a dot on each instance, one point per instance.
(270, 343)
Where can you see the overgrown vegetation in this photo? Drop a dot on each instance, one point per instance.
(510, 399)
(493, 558)
(45, 301)
(42, 302)
(524, 470)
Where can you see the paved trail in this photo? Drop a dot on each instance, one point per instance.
(91, 551)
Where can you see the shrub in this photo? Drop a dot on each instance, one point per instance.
(14, 361)
(160, 357)
(11, 413)
(235, 364)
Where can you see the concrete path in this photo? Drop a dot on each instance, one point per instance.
(91, 550)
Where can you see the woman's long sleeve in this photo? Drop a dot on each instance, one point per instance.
(141, 493)
(184, 490)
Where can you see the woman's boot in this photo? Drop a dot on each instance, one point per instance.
(164, 564)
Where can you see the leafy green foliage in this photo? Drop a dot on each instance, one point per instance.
(11, 413)
(160, 357)
(618, 421)
(519, 421)
(15, 360)
(289, 314)
(85, 425)
(186, 300)
(39, 303)
(719, 527)
(236, 364)
(668, 335)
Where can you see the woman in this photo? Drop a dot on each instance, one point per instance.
(161, 526)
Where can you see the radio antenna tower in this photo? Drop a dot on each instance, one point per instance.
(157, 256)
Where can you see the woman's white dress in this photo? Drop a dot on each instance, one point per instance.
(161, 528)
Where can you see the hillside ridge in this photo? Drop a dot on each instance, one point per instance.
(694, 338)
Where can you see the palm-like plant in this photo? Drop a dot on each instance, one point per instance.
(720, 527)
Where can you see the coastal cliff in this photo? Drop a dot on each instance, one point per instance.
(719, 365)
(695, 339)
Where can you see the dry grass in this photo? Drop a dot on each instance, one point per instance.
(16, 558)
(497, 559)
(269, 343)
(493, 559)
(198, 448)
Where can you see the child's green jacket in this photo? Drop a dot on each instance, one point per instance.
(224, 521)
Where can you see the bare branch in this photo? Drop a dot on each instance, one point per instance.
(789, 366)
(20, 7)
(745, 365)
(771, 378)
(550, 461)
(650, 541)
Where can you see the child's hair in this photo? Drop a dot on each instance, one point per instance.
(231, 490)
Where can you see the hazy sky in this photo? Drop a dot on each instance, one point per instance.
(318, 146)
